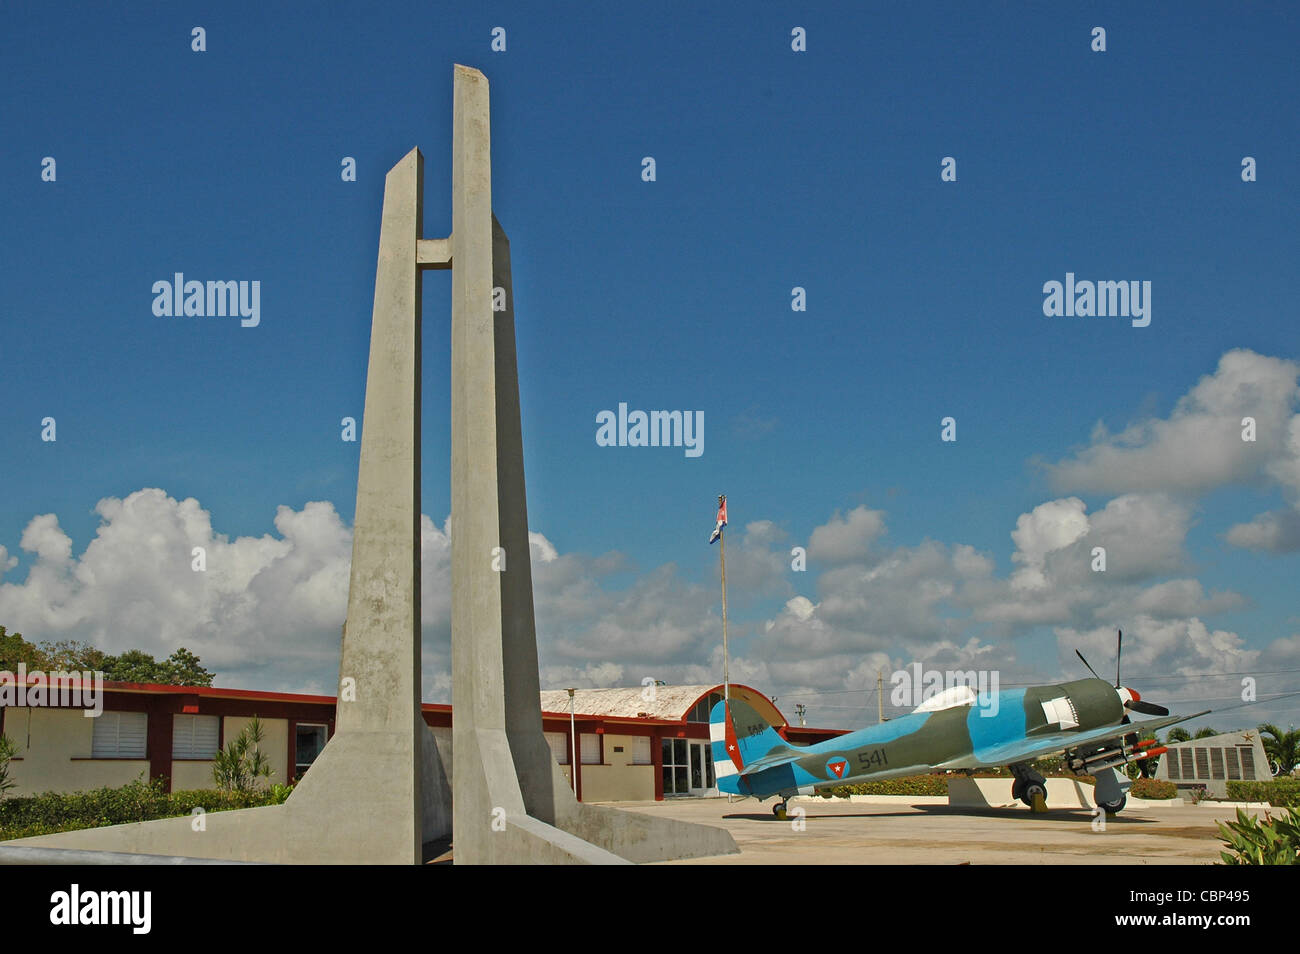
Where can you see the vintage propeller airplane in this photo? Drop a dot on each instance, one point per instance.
(1087, 720)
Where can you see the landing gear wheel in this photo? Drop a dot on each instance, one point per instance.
(1028, 790)
(1034, 794)
(1115, 807)
(779, 811)
(1029, 787)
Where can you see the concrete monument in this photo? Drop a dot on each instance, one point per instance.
(379, 789)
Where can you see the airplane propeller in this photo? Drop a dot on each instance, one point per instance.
(1150, 708)
(1130, 697)
(1085, 662)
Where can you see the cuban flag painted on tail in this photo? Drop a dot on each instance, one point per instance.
(722, 518)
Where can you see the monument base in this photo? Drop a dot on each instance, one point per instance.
(508, 812)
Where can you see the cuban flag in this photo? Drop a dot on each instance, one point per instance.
(722, 518)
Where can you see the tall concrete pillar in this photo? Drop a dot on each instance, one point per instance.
(510, 800)
(491, 596)
(376, 757)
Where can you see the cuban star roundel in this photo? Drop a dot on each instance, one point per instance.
(837, 767)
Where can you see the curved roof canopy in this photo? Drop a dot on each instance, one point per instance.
(671, 703)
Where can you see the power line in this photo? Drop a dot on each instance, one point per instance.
(1261, 701)
(1020, 685)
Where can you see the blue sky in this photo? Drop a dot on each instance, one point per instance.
(774, 169)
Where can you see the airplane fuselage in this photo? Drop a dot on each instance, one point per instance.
(960, 737)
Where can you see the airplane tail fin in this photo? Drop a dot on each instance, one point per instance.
(739, 740)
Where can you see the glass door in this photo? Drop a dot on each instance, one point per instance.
(676, 770)
(702, 781)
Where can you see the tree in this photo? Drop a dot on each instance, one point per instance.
(1205, 732)
(181, 668)
(1177, 734)
(14, 650)
(68, 655)
(238, 767)
(1281, 748)
(134, 665)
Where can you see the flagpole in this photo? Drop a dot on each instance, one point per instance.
(726, 671)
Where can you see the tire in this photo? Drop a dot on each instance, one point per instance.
(1028, 791)
(1115, 807)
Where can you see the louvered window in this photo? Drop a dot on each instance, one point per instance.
(119, 735)
(559, 743)
(195, 736)
(641, 754)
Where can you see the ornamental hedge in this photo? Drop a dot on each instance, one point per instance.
(1153, 788)
(1280, 792)
(52, 812)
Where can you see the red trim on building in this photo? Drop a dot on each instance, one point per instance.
(161, 703)
(291, 766)
(657, 760)
(158, 738)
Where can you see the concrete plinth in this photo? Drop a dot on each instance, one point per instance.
(967, 792)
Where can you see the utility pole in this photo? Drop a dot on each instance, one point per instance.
(880, 695)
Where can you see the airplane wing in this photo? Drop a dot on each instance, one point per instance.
(1037, 747)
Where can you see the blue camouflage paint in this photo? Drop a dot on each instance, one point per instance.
(874, 734)
(791, 776)
(987, 731)
(782, 778)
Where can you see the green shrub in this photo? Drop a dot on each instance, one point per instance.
(52, 812)
(907, 785)
(1267, 842)
(1280, 792)
(241, 765)
(1153, 788)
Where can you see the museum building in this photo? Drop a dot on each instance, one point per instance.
(635, 744)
